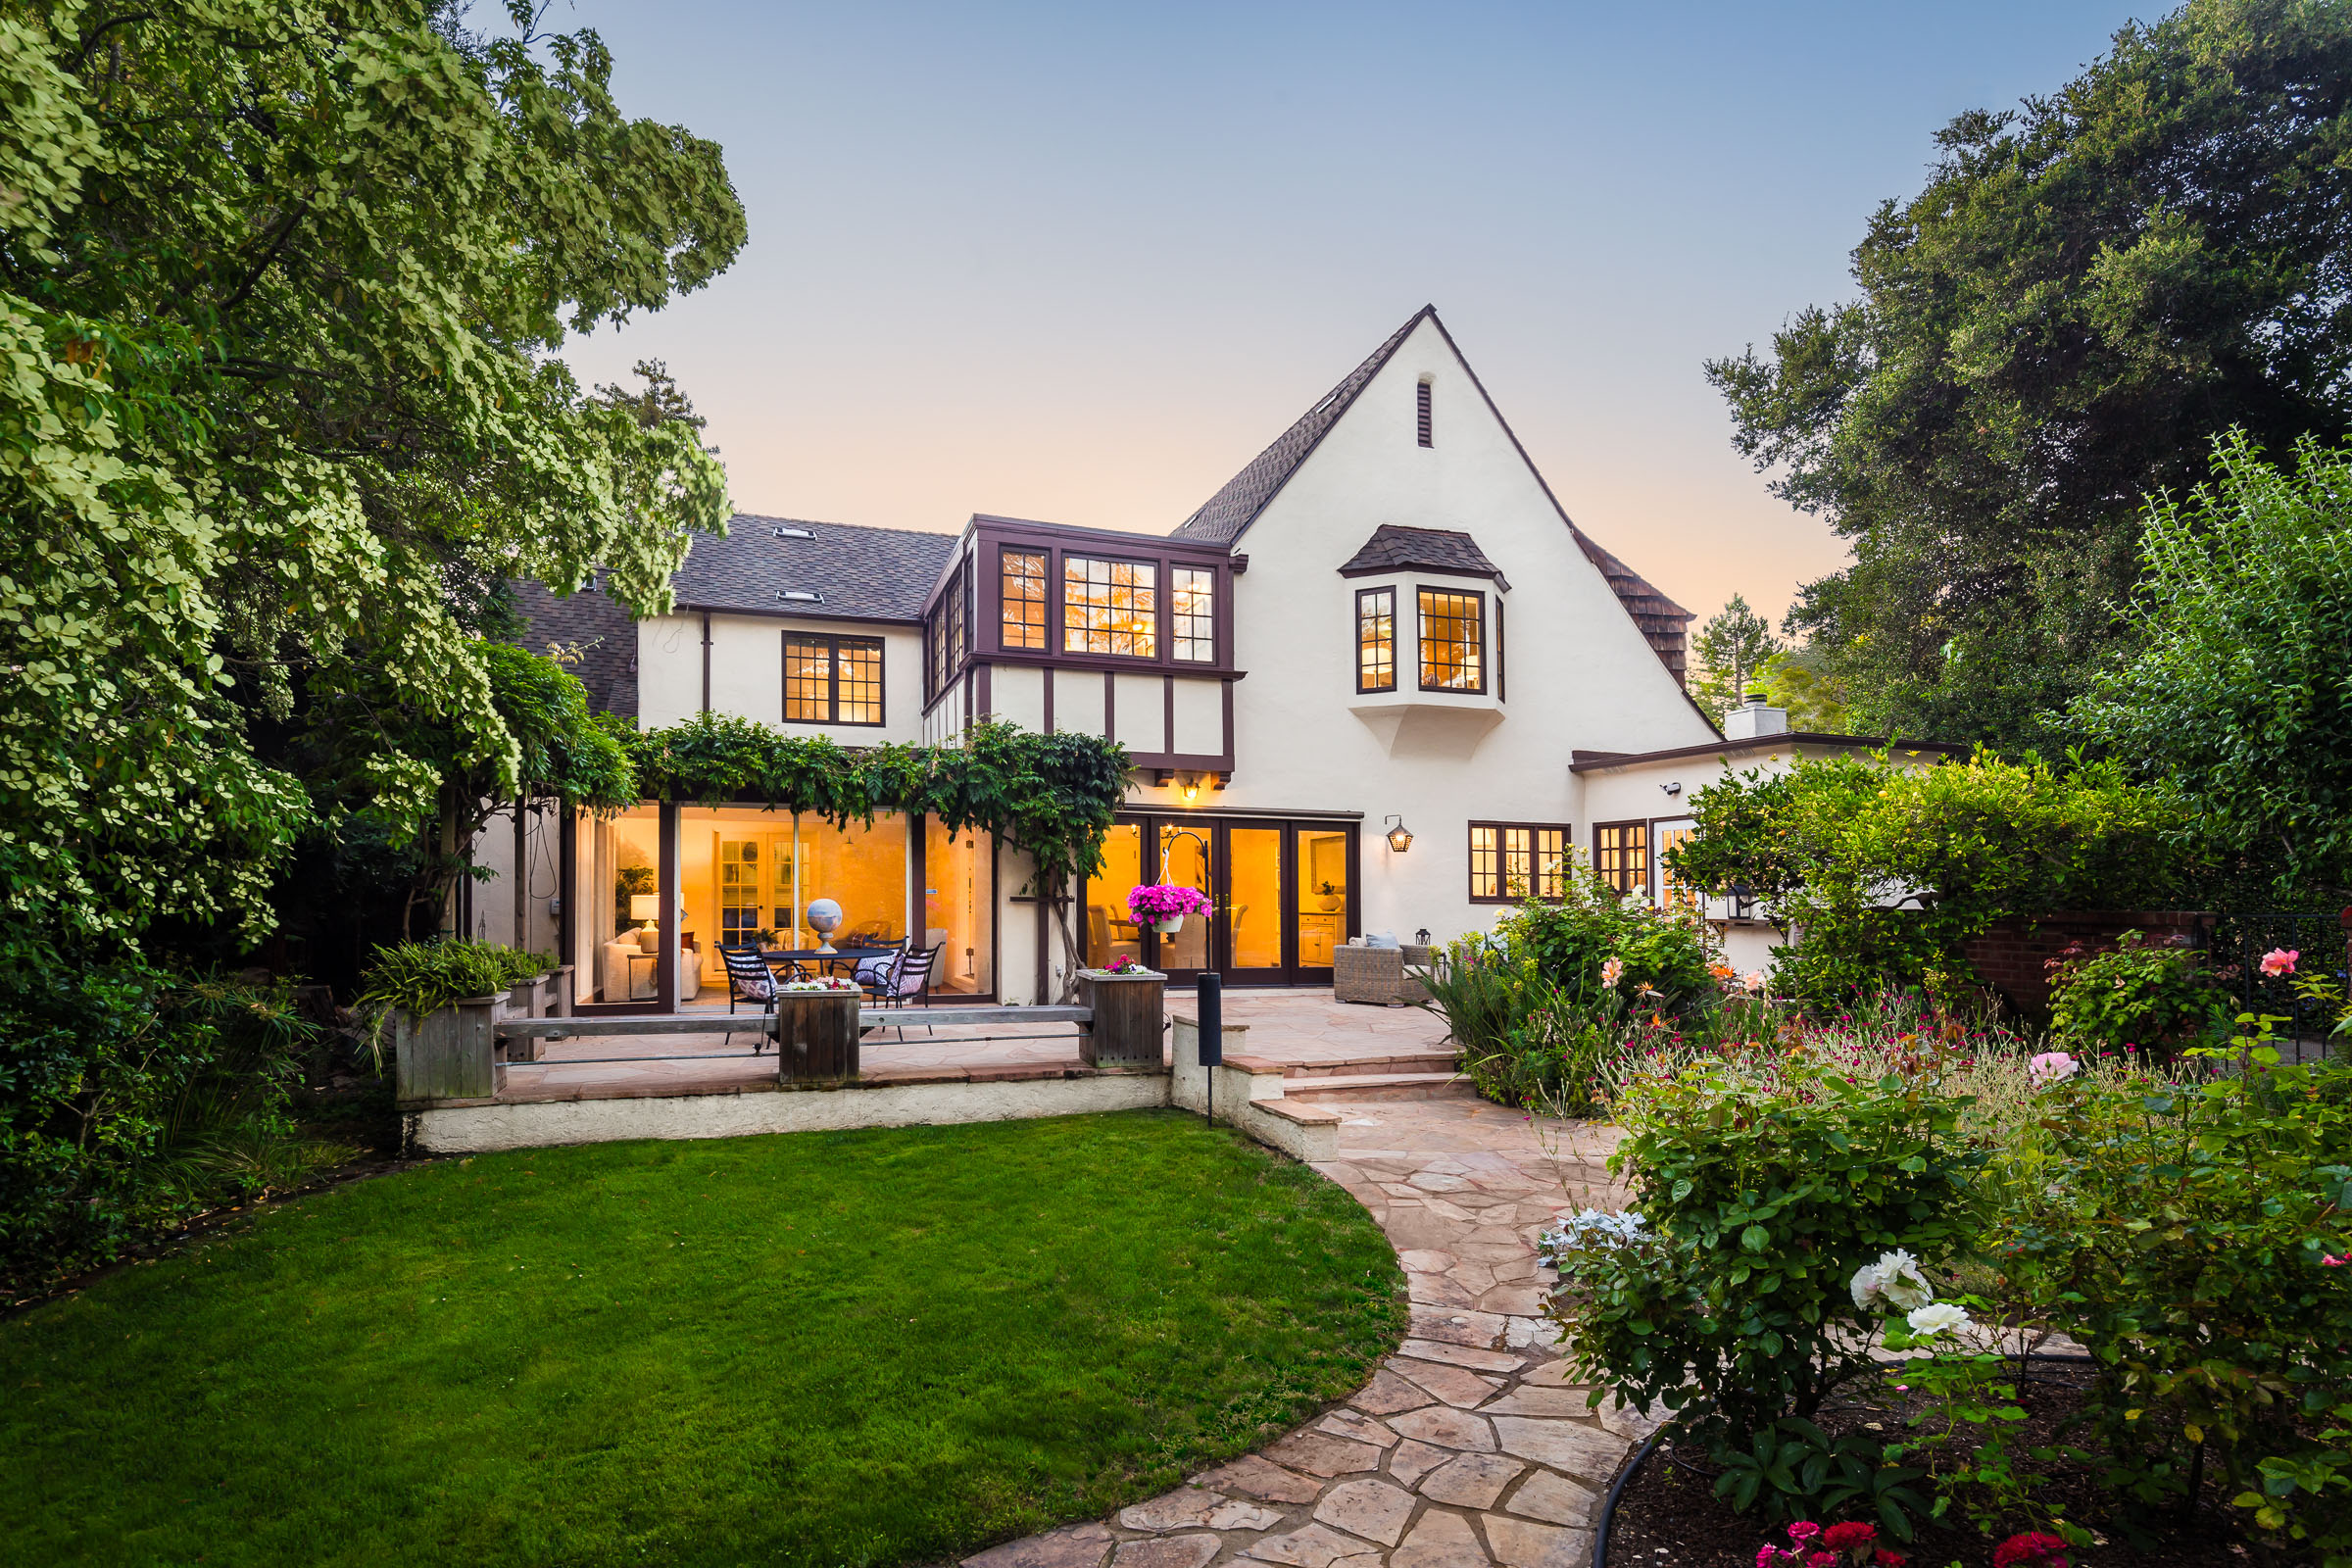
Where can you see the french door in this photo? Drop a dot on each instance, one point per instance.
(1281, 896)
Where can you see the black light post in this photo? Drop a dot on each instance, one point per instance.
(1210, 1011)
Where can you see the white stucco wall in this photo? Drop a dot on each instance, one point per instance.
(1579, 674)
(746, 674)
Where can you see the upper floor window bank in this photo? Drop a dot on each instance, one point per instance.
(832, 681)
(1109, 607)
(1024, 599)
(1453, 641)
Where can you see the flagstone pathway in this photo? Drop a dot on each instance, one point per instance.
(1467, 1448)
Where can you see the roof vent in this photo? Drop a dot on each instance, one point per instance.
(781, 531)
(801, 596)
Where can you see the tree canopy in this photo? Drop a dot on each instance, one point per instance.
(1729, 656)
(280, 286)
(2238, 692)
(2088, 289)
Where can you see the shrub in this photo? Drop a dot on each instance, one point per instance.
(2136, 995)
(1885, 873)
(1733, 1309)
(422, 976)
(1542, 1006)
(131, 1097)
(2197, 1240)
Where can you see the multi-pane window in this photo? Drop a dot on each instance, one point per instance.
(1621, 857)
(1192, 613)
(1024, 597)
(1109, 607)
(1453, 641)
(832, 681)
(1672, 891)
(1376, 640)
(1514, 860)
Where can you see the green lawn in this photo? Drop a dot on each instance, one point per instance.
(875, 1348)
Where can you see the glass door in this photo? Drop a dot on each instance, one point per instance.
(1110, 931)
(1325, 858)
(1185, 857)
(1254, 906)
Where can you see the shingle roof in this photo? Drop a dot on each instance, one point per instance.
(864, 573)
(1222, 517)
(1394, 547)
(1663, 622)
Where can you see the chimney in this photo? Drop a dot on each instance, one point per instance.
(1752, 719)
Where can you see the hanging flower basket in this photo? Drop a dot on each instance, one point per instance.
(1163, 906)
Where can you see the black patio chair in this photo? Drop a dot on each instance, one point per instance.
(749, 979)
(874, 976)
(909, 977)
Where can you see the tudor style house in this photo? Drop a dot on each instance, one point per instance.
(1378, 683)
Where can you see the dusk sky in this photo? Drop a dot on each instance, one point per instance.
(1081, 263)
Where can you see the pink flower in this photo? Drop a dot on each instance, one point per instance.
(2336, 1262)
(2279, 961)
(2050, 1066)
(1802, 1530)
(1611, 972)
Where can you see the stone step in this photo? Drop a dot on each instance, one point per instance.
(1381, 1086)
(1363, 1066)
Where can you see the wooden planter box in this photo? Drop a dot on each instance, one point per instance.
(817, 1035)
(448, 1054)
(1128, 1017)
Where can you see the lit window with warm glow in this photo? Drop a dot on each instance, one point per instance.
(832, 681)
(1192, 613)
(1376, 640)
(1514, 860)
(1109, 607)
(1024, 599)
(1453, 641)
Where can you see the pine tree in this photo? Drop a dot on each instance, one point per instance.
(1731, 649)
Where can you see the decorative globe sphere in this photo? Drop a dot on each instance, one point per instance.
(824, 917)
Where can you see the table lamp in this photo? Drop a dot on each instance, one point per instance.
(646, 906)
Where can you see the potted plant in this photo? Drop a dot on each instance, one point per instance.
(1163, 905)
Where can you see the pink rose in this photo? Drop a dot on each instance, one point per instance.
(2279, 961)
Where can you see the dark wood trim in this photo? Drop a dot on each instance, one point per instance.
(1225, 757)
(1567, 832)
(567, 878)
(918, 856)
(988, 693)
(1046, 672)
(705, 660)
(797, 612)
(1421, 671)
(834, 643)
(1355, 639)
(1641, 823)
(967, 702)
(1115, 664)
(1410, 568)
(1110, 704)
(1503, 688)
(1582, 761)
(1045, 935)
(666, 951)
(1167, 714)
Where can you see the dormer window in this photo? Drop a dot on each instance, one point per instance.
(1453, 641)
(1421, 410)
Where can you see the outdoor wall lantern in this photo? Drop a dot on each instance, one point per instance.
(1421, 937)
(1191, 790)
(1400, 837)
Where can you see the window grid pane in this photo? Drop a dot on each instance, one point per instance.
(1518, 863)
(1621, 857)
(1673, 890)
(859, 664)
(1451, 645)
(1109, 607)
(1552, 862)
(1024, 599)
(1376, 641)
(1486, 878)
(957, 645)
(1192, 613)
(808, 680)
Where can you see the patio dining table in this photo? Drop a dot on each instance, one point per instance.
(824, 961)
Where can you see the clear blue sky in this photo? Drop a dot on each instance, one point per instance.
(1081, 261)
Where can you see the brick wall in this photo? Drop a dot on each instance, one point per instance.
(604, 628)
(2010, 957)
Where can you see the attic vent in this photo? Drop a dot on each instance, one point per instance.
(782, 532)
(801, 596)
(1421, 410)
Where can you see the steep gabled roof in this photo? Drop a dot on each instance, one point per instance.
(1396, 548)
(862, 573)
(1222, 517)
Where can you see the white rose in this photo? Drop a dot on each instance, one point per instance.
(1943, 1317)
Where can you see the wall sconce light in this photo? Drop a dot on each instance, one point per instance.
(1191, 790)
(1400, 837)
(1421, 937)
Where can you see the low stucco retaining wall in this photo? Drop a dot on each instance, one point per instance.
(533, 1124)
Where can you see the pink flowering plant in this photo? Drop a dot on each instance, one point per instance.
(1154, 902)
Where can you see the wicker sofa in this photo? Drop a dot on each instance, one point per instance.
(1378, 975)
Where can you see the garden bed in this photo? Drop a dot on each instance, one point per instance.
(1669, 1517)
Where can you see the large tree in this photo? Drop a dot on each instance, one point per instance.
(2238, 694)
(1729, 654)
(281, 282)
(2087, 290)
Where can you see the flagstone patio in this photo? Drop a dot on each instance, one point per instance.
(1468, 1449)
